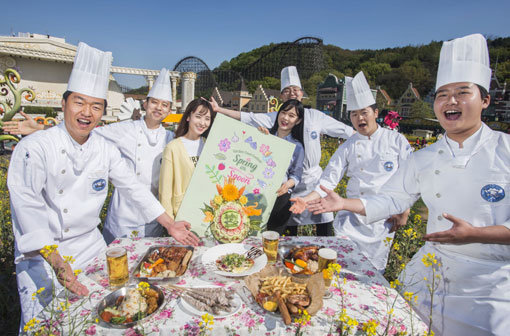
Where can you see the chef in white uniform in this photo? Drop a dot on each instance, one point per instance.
(369, 158)
(464, 179)
(58, 181)
(141, 142)
(315, 124)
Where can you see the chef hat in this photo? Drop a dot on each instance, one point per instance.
(359, 94)
(162, 88)
(91, 72)
(290, 77)
(464, 59)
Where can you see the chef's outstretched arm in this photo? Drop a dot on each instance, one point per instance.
(218, 109)
(179, 230)
(65, 274)
(463, 232)
(333, 202)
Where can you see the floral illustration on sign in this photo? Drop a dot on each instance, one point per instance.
(271, 163)
(224, 145)
(221, 166)
(264, 148)
(252, 143)
(235, 138)
(229, 215)
(220, 156)
(214, 174)
(268, 173)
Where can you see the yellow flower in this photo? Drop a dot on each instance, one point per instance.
(395, 283)
(134, 234)
(334, 268)
(409, 232)
(430, 333)
(76, 272)
(30, 324)
(69, 259)
(243, 200)
(429, 259)
(369, 327)
(351, 322)
(218, 199)
(230, 192)
(396, 246)
(387, 241)
(48, 249)
(208, 217)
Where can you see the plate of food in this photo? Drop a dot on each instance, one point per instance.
(300, 260)
(233, 260)
(283, 295)
(129, 305)
(163, 262)
(215, 301)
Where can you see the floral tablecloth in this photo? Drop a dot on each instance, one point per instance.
(370, 305)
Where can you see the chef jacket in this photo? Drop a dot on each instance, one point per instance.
(142, 148)
(315, 124)
(472, 183)
(368, 162)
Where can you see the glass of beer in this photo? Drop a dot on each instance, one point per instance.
(326, 256)
(117, 264)
(270, 243)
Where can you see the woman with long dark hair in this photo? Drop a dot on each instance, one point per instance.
(181, 154)
(289, 126)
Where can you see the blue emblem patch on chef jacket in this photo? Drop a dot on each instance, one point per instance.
(388, 166)
(313, 135)
(99, 185)
(492, 193)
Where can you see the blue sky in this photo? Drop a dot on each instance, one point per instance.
(156, 34)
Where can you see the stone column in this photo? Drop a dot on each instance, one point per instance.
(150, 81)
(173, 81)
(187, 89)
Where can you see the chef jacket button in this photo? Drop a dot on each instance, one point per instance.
(437, 172)
(61, 191)
(361, 169)
(66, 230)
(140, 132)
(139, 145)
(65, 210)
(438, 195)
(362, 193)
(359, 156)
(439, 217)
(63, 151)
(138, 173)
(63, 171)
(440, 151)
(138, 159)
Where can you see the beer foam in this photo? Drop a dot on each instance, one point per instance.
(327, 253)
(116, 252)
(270, 235)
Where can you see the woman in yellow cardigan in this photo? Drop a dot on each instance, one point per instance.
(181, 154)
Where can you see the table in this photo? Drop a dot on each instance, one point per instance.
(366, 295)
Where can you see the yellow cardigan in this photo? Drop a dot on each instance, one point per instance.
(175, 174)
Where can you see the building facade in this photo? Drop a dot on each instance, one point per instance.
(261, 100)
(406, 101)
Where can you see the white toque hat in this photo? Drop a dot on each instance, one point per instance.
(162, 89)
(359, 94)
(464, 59)
(91, 72)
(290, 77)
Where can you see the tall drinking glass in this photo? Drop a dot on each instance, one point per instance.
(270, 244)
(326, 256)
(117, 264)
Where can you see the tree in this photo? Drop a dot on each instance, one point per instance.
(421, 109)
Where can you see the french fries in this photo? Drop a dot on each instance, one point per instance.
(284, 284)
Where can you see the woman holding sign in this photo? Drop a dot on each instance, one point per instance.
(181, 154)
(288, 126)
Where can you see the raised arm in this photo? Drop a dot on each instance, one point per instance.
(218, 109)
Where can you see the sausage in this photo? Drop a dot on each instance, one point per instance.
(283, 308)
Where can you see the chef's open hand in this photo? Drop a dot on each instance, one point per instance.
(214, 103)
(331, 202)
(25, 127)
(460, 233)
(298, 205)
(398, 220)
(180, 231)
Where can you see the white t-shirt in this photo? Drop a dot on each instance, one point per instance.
(193, 147)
